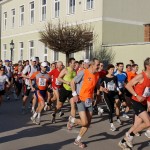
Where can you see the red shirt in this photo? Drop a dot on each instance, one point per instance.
(143, 88)
(102, 74)
(54, 75)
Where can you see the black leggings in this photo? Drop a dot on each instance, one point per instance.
(109, 100)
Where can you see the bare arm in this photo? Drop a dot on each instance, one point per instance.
(61, 75)
(137, 79)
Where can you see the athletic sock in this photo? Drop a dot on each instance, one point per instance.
(39, 115)
(78, 138)
(35, 114)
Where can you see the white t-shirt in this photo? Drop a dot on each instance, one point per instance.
(3, 80)
(8, 71)
(29, 70)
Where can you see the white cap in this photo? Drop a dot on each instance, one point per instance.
(86, 61)
(33, 59)
(44, 64)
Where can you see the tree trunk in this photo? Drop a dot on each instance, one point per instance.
(67, 59)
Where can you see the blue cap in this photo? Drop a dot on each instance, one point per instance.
(7, 61)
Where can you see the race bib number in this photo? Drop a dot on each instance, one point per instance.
(146, 92)
(88, 102)
(58, 82)
(121, 85)
(111, 86)
(42, 82)
(1, 86)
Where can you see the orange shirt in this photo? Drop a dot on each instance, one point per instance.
(131, 75)
(143, 89)
(41, 79)
(88, 84)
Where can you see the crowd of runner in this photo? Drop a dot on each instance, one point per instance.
(85, 84)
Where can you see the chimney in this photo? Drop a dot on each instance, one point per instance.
(146, 32)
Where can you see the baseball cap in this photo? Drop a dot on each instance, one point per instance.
(33, 59)
(7, 61)
(44, 64)
(86, 61)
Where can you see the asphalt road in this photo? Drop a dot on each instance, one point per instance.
(17, 132)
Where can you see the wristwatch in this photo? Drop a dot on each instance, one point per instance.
(135, 95)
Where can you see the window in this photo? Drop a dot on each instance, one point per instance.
(21, 50)
(57, 8)
(71, 6)
(21, 15)
(31, 49)
(88, 51)
(45, 53)
(56, 56)
(43, 10)
(5, 20)
(32, 12)
(4, 51)
(89, 4)
(13, 18)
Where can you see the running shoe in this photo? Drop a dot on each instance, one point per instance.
(147, 134)
(123, 146)
(38, 121)
(119, 121)
(61, 113)
(80, 144)
(129, 140)
(32, 119)
(125, 116)
(100, 111)
(112, 127)
(53, 118)
(69, 123)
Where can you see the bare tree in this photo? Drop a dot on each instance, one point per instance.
(105, 55)
(66, 38)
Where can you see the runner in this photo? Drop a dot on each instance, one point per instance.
(3, 80)
(83, 96)
(122, 80)
(81, 66)
(139, 87)
(109, 85)
(56, 85)
(18, 82)
(42, 81)
(26, 73)
(65, 77)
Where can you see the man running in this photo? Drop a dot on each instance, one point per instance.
(26, 73)
(42, 81)
(122, 80)
(65, 77)
(139, 87)
(3, 80)
(83, 96)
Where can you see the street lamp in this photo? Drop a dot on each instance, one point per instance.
(11, 49)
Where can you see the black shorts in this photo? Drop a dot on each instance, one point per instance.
(64, 94)
(26, 90)
(2, 92)
(127, 93)
(122, 96)
(138, 107)
(50, 90)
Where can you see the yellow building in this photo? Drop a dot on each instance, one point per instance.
(114, 21)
